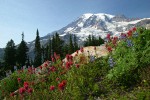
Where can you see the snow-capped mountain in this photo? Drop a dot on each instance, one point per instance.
(98, 25)
(94, 24)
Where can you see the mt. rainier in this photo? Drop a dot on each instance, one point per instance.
(98, 25)
(95, 24)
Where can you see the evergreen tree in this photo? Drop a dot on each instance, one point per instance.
(37, 50)
(65, 50)
(89, 40)
(22, 52)
(53, 45)
(71, 47)
(57, 44)
(28, 62)
(75, 43)
(10, 55)
(31, 61)
(49, 50)
(43, 53)
(92, 41)
(101, 41)
(46, 53)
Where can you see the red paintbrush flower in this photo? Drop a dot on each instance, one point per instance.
(129, 33)
(30, 90)
(64, 82)
(71, 63)
(53, 69)
(12, 94)
(25, 83)
(52, 58)
(41, 67)
(68, 65)
(134, 29)
(55, 55)
(26, 87)
(52, 88)
(45, 65)
(114, 41)
(108, 37)
(57, 79)
(62, 85)
(19, 79)
(82, 50)
(109, 49)
(71, 57)
(77, 65)
(21, 90)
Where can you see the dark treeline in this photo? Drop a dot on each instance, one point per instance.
(57, 45)
(93, 41)
(18, 55)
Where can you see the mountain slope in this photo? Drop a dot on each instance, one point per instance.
(98, 25)
(94, 24)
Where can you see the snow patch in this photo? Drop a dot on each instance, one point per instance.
(68, 29)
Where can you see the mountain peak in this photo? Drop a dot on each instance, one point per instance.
(86, 15)
(100, 15)
(104, 14)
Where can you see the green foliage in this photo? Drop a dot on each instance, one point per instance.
(128, 79)
(8, 85)
(129, 59)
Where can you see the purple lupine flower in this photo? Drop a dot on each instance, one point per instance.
(129, 43)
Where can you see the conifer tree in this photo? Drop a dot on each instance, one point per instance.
(57, 44)
(92, 41)
(89, 40)
(37, 51)
(75, 43)
(10, 55)
(101, 41)
(46, 52)
(53, 45)
(71, 47)
(22, 52)
(43, 53)
(28, 61)
(65, 49)
(49, 50)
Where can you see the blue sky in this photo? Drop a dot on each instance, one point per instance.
(17, 16)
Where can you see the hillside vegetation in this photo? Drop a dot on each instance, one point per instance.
(124, 74)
